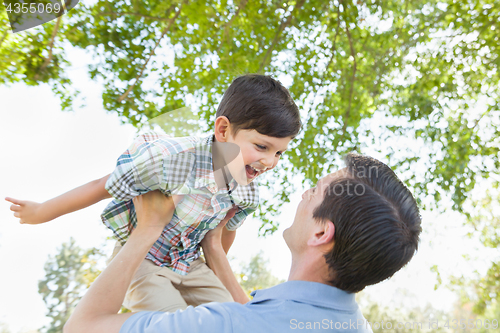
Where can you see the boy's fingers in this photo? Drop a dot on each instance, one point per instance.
(230, 214)
(138, 201)
(15, 201)
(18, 215)
(221, 224)
(15, 208)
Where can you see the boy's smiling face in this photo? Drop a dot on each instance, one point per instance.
(258, 152)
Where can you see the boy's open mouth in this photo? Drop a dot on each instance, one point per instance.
(251, 172)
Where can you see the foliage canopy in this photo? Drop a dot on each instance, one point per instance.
(417, 81)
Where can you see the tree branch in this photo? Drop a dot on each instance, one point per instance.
(282, 27)
(479, 119)
(337, 30)
(51, 48)
(241, 6)
(151, 54)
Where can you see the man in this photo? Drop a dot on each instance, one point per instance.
(357, 227)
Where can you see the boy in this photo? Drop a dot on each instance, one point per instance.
(256, 120)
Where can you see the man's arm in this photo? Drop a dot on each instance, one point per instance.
(98, 310)
(227, 239)
(215, 256)
(86, 195)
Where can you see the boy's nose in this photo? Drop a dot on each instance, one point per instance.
(267, 162)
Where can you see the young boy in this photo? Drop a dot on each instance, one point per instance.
(256, 120)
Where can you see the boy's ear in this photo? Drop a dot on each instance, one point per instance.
(323, 234)
(222, 129)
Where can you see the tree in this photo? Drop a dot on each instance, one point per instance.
(482, 293)
(403, 319)
(35, 57)
(4, 328)
(256, 274)
(67, 275)
(417, 81)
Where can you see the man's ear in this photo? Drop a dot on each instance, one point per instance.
(222, 128)
(323, 235)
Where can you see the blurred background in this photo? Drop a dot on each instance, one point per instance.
(412, 83)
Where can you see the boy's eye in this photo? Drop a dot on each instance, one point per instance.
(260, 147)
(279, 153)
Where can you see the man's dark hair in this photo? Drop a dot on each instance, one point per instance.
(377, 224)
(261, 103)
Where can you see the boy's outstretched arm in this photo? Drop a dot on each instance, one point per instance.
(215, 255)
(86, 195)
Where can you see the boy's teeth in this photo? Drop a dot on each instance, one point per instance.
(254, 171)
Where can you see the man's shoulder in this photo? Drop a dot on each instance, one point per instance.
(271, 315)
(211, 317)
(310, 305)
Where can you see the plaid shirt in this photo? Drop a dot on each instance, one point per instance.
(174, 166)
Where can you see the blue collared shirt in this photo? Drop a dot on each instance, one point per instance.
(289, 307)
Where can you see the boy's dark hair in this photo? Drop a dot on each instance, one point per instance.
(261, 103)
(377, 224)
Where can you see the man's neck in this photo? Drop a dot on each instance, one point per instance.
(309, 268)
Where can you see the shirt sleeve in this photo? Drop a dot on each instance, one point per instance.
(202, 319)
(237, 220)
(138, 170)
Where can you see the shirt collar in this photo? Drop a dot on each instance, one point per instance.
(314, 293)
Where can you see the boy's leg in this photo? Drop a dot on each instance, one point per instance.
(152, 289)
(201, 285)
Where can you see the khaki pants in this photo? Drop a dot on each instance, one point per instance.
(156, 288)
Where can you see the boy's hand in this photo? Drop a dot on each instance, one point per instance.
(27, 211)
(154, 209)
(213, 237)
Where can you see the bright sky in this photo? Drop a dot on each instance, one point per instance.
(46, 152)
